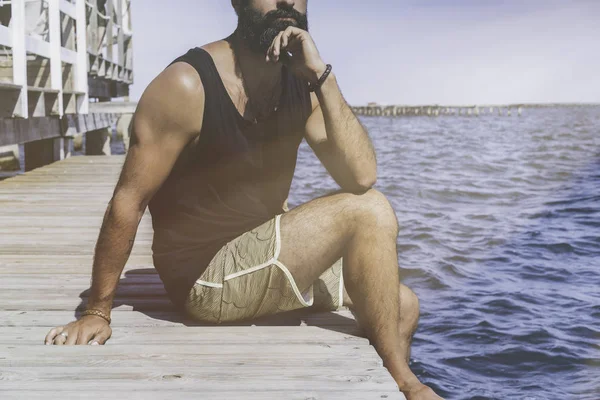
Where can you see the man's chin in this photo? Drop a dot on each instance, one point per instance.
(283, 24)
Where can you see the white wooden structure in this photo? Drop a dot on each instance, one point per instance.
(55, 57)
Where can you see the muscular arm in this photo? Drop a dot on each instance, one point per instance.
(168, 117)
(339, 140)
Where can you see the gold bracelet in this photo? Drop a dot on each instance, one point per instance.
(98, 313)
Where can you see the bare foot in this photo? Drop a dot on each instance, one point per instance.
(422, 392)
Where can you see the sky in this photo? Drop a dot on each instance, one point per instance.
(411, 52)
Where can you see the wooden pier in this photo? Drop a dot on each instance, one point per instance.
(49, 222)
(374, 109)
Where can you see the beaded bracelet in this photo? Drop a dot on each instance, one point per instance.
(98, 313)
(317, 85)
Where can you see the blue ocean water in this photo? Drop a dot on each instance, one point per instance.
(500, 239)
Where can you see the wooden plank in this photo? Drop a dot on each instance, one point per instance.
(174, 393)
(6, 85)
(69, 264)
(60, 291)
(113, 107)
(14, 130)
(45, 301)
(42, 90)
(202, 334)
(51, 300)
(22, 249)
(197, 355)
(22, 318)
(68, 56)
(37, 46)
(200, 378)
(17, 280)
(67, 8)
(37, 260)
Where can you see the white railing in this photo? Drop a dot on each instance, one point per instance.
(101, 49)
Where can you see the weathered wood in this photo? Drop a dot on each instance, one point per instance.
(14, 130)
(42, 152)
(9, 158)
(147, 352)
(202, 378)
(49, 222)
(116, 107)
(22, 318)
(178, 393)
(227, 335)
(97, 142)
(214, 389)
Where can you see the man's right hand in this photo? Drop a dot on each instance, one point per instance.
(89, 329)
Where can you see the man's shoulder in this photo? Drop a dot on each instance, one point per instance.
(180, 78)
(186, 69)
(173, 93)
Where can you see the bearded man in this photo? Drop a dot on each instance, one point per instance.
(213, 151)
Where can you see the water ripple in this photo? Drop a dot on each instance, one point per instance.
(500, 239)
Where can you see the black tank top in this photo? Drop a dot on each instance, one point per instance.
(231, 178)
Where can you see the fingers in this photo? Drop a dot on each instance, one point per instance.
(101, 338)
(277, 47)
(72, 336)
(84, 337)
(274, 49)
(92, 332)
(62, 335)
(51, 336)
(284, 41)
(58, 335)
(281, 42)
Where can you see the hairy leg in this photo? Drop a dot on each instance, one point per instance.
(363, 229)
(408, 303)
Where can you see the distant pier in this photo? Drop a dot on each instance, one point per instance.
(373, 109)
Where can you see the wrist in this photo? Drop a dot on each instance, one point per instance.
(98, 313)
(92, 316)
(318, 73)
(327, 83)
(102, 308)
(314, 87)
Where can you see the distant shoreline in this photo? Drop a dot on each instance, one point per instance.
(512, 105)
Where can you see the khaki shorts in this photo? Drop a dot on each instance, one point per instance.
(246, 280)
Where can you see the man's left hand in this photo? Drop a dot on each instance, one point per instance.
(305, 61)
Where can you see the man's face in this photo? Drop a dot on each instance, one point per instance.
(259, 21)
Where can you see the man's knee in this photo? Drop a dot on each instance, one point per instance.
(376, 209)
(409, 300)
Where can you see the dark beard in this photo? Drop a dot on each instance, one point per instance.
(258, 31)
